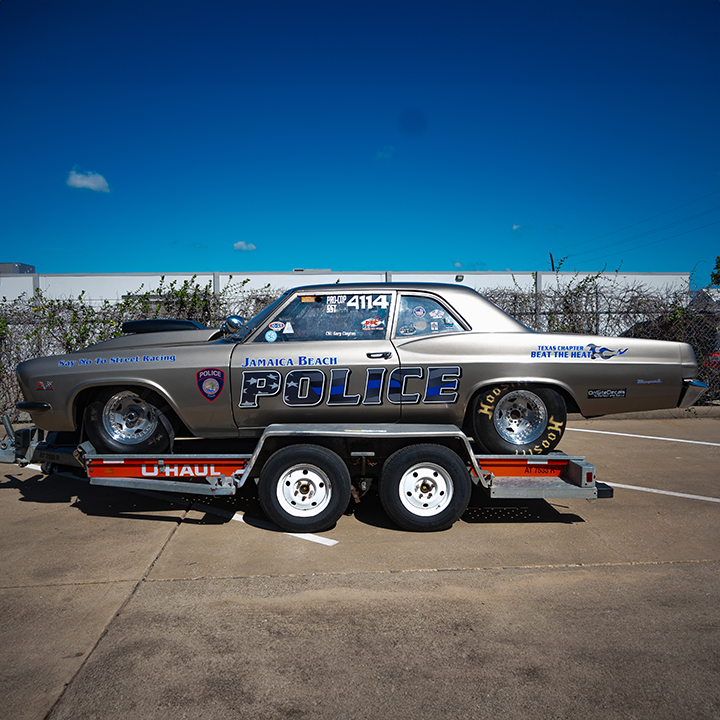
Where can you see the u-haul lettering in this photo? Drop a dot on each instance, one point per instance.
(153, 470)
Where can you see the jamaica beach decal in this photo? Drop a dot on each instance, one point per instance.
(210, 382)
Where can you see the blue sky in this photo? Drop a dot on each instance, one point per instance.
(166, 135)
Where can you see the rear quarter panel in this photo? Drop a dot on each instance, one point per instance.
(603, 375)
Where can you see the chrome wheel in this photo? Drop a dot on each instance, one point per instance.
(520, 417)
(304, 491)
(128, 419)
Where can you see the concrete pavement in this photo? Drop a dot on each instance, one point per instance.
(122, 605)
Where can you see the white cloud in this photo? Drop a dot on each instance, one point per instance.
(516, 227)
(89, 180)
(458, 264)
(386, 153)
(242, 245)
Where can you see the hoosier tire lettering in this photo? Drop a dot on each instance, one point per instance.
(518, 419)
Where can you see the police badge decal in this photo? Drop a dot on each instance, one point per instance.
(210, 382)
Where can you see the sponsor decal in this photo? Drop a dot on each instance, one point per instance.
(590, 351)
(649, 382)
(277, 326)
(373, 323)
(436, 314)
(434, 327)
(44, 385)
(210, 382)
(419, 311)
(407, 330)
(603, 393)
(307, 298)
(288, 329)
(271, 336)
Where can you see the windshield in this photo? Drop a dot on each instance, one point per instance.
(259, 319)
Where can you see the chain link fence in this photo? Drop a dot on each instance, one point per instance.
(37, 326)
(598, 306)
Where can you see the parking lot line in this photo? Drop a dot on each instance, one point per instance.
(662, 492)
(646, 437)
(239, 517)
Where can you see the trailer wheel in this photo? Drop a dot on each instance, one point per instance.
(304, 488)
(120, 421)
(425, 487)
(518, 420)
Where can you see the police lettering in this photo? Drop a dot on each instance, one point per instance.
(306, 387)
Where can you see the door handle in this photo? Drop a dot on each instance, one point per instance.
(386, 355)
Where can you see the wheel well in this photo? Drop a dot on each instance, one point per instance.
(86, 395)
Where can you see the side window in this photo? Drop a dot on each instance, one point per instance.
(329, 317)
(424, 316)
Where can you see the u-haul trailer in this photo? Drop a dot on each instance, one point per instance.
(306, 474)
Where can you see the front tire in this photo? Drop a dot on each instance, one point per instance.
(304, 488)
(425, 487)
(518, 420)
(119, 420)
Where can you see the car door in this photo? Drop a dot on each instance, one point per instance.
(322, 357)
(426, 333)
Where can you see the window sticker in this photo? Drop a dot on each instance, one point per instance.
(271, 336)
(434, 326)
(419, 311)
(307, 298)
(368, 302)
(288, 329)
(373, 323)
(408, 330)
(436, 314)
(277, 326)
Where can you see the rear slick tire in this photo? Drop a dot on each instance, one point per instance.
(516, 419)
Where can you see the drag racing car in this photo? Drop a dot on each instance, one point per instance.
(361, 353)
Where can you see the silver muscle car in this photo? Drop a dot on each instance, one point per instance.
(383, 353)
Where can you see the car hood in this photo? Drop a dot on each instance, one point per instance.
(144, 340)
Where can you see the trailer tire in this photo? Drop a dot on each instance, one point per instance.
(304, 488)
(425, 487)
(119, 420)
(516, 419)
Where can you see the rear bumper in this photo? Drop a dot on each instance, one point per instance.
(691, 392)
